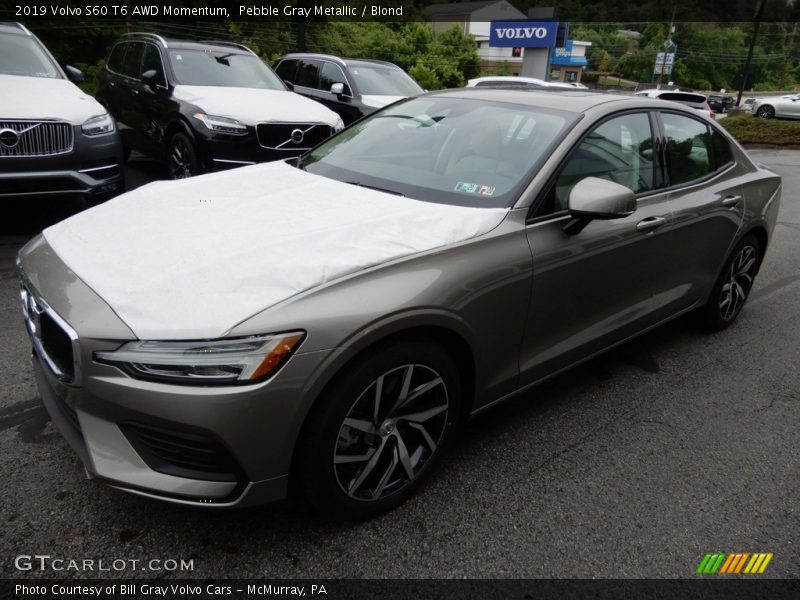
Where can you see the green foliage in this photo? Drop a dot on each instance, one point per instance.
(425, 76)
(751, 130)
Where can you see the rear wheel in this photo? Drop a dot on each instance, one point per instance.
(380, 430)
(733, 286)
(182, 158)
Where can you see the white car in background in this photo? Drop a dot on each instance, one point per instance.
(699, 102)
(783, 107)
(531, 83)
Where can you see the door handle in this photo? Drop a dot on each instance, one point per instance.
(650, 223)
(731, 200)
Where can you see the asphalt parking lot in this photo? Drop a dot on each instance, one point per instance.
(633, 465)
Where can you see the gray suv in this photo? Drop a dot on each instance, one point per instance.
(351, 87)
(54, 138)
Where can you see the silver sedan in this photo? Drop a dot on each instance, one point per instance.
(322, 324)
(783, 107)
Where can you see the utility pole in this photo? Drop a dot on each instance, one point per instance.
(667, 45)
(746, 70)
(788, 47)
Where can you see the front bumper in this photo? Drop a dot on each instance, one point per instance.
(92, 169)
(225, 446)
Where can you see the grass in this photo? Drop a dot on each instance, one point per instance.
(751, 130)
(615, 81)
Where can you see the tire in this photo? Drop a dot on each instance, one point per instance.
(354, 464)
(733, 286)
(182, 157)
(765, 112)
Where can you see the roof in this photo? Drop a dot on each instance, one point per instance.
(457, 8)
(576, 101)
(13, 28)
(337, 59)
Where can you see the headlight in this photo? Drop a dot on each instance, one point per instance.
(99, 125)
(221, 124)
(215, 362)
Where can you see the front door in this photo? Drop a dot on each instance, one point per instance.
(615, 277)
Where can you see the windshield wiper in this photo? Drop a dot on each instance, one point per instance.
(372, 187)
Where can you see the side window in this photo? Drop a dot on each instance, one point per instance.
(331, 74)
(151, 61)
(722, 150)
(132, 60)
(115, 58)
(286, 70)
(688, 148)
(308, 74)
(620, 150)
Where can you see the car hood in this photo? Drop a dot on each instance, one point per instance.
(379, 101)
(44, 98)
(191, 259)
(251, 106)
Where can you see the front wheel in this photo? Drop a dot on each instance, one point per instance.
(380, 430)
(182, 159)
(765, 112)
(733, 286)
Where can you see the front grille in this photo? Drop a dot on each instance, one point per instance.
(51, 339)
(182, 454)
(35, 138)
(288, 137)
(57, 344)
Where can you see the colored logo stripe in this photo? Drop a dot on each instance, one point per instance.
(734, 563)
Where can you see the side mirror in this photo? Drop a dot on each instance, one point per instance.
(73, 74)
(594, 198)
(149, 77)
(337, 88)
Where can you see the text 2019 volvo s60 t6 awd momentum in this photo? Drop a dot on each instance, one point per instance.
(328, 320)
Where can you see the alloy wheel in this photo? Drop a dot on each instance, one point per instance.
(391, 432)
(766, 112)
(180, 164)
(738, 282)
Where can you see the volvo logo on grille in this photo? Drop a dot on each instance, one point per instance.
(297, 136)
(9, 138)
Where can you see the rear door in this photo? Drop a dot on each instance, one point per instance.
(705, 193)
(148, 102)
(126, 84)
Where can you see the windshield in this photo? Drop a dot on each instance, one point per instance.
(377, 80)
(21, 55)
(222, 68)
(450, 150)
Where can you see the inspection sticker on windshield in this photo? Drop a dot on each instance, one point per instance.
(474, 188)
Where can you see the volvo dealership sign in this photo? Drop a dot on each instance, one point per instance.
(526, 34)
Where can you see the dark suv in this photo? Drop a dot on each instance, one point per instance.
(54, 139)
(352, 87)
(720, 103)
(202, 106)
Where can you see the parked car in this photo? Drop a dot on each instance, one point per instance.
(511, 81)
(720, 103)
(54, 139)
(696, 101)
(206, 106)
(780, 107)
(748, 104)
(328, 321)
(351, 87)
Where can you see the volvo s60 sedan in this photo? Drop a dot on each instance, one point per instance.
(322, 324)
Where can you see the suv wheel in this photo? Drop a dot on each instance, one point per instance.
(182, 158)
(765, 112)
(379, 431)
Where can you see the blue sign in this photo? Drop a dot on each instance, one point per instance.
(525, 34)
(563, 56)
